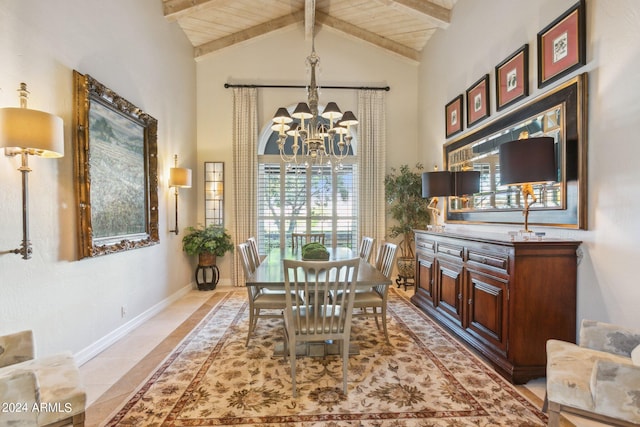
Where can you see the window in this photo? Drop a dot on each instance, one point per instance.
(320, 199)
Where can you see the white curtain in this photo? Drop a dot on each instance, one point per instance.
(372, 163)
(245, 168)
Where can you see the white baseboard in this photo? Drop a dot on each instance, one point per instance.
(88, 353)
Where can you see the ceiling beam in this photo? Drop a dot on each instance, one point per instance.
(249, 33)
(422, 9)
(376, 40)
(309, 19)
(176, 9)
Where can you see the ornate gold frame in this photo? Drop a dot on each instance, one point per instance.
(91, 96)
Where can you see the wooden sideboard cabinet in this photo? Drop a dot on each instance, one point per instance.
(505, 298)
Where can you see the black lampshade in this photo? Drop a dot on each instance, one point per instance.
(302, 111)
(348, 119)
(437, 184)
(528, 161)
(466, 182)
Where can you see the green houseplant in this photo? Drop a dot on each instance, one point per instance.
(207, 242)
(403, 192)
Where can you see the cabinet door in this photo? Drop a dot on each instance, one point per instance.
(488, 309)
(448, 289)
(424, 277)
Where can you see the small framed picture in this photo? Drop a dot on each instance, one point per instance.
(512, 78)
(453, 116)
(478, 101)
(562, 45)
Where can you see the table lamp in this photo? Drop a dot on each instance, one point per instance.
(465, 182)
(436, 184)
(525, 162)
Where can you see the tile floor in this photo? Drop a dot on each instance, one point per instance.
(114, 374)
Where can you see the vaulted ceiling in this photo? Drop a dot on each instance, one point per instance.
(399, 26)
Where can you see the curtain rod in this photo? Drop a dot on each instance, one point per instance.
(385, 88)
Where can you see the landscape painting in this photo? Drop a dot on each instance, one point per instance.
(115, 161)
(117, 174)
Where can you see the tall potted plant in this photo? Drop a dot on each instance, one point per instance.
(403, 191)
(207, 243)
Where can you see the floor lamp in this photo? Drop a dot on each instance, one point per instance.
(27, 133)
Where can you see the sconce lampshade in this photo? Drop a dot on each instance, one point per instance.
(180, 177)
(37, 132)
(436, 184)
(528, 161)
(466, 182)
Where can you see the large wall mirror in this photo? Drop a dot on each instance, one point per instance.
(560, 114)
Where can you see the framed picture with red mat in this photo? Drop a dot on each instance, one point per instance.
(512, 78)
(562, 45)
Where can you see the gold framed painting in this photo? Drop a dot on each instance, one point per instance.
(115, 160)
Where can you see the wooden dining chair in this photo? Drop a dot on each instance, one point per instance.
(366, 246)
(376, 297)
(316, 318)
(300, 239)
(259, 299)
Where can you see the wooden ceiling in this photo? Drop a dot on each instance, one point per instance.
(399, 26)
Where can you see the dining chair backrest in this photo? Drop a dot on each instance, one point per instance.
(366, 246)
(253, 244)
(244, 252)
(384, 259)
(300, 239)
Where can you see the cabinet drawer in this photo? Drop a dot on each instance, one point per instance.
(493, 261)
(451, 250)
(424, 244)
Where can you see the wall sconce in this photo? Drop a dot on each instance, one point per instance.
(178, 178)
(436, 184)
(27, 132)
(526, 162)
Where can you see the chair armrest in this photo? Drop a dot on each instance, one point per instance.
(615, 387)
(16, 348)
(18, 395)
(607, 337)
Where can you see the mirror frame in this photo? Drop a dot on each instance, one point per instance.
(141, 126)
(573, 214)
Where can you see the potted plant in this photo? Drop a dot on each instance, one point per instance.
(207, 242)
(403, 192)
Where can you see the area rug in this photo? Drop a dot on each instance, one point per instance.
(422, 378)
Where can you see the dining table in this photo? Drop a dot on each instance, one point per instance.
(270, 275)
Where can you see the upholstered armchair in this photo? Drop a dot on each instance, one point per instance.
(42, 391)
(599, 378)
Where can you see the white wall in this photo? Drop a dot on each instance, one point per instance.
(129, 47)
(279, 58)
(483, 33)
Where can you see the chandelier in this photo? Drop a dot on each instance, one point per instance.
(313, 142)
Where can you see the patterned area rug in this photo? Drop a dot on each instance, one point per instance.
(424, 378)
